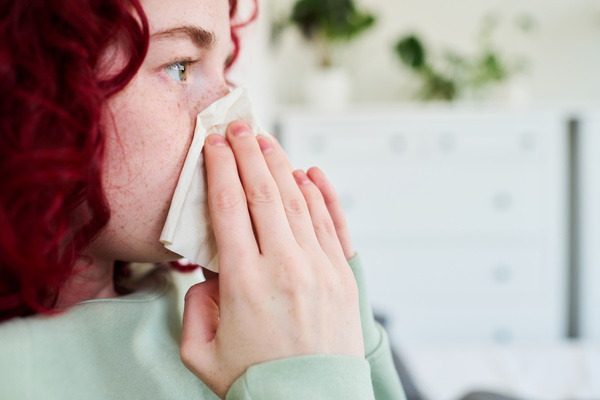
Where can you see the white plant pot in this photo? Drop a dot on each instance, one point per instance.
(328, 89)
(518, 92)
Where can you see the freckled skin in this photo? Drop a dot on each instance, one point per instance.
(149, 128)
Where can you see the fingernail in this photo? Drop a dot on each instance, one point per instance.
(300, 177)
(240, 128)
(265, 143)
(216, 140)
(266, 135)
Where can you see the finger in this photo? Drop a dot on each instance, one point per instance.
(262, 194)
(321, 220)
(227, 204)
(292, 199)
(335, 209)
(201, 313)
(200, 324)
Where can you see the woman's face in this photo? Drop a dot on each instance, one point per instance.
(149, 125)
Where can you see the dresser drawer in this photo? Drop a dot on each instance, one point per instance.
(458, 273)
(435, 200)
(406, 140)
(500, 292)
(459, 328)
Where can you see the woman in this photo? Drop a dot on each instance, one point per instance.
(98, 110)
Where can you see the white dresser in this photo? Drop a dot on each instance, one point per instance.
(460, 215)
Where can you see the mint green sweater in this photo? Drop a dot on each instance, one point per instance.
(128, 348)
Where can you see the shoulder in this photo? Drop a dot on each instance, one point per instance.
(88, 344)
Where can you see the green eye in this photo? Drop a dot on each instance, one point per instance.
(178, 70)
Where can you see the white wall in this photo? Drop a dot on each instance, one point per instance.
(564, 50)
(254, 68)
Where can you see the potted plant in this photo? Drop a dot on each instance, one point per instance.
(456, 75)
(326, 25)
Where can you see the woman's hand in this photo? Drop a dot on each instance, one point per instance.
(284, 288)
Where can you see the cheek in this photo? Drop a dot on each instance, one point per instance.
(146, 148)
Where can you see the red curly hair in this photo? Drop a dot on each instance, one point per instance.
(51, 143)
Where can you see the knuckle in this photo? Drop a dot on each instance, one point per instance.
(226, 199)
(185, 351)
(325, 228)
(294, 206)
(192, 292)
(188, 350)
(262, 193)
(188, 354)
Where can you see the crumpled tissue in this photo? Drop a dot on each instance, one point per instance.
(188, 229)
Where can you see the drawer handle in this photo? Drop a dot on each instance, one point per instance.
(398, 144)
(502, 335)
(502, 201)
(502, 274)
(528, 141)
(447, 142)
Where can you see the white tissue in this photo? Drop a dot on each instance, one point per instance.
(188, 228)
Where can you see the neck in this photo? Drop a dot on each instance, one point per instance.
(93, 279)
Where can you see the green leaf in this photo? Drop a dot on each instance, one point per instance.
(411, 52)
(331, 19)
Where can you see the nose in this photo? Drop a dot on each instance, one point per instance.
(204, 97)
(221, 90)
(218, 91)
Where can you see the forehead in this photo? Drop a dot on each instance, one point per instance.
(210, 15)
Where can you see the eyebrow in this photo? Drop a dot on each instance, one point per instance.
(200, 37)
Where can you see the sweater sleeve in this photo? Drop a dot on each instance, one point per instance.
(315, 377)
(386, 382)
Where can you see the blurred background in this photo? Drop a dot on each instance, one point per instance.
(463, 138)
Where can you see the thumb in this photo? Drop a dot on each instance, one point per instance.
(200, 319)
